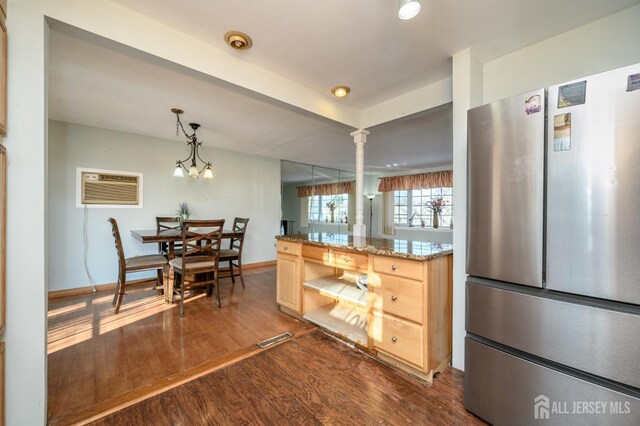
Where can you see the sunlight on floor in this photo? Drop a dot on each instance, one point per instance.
(63, 334)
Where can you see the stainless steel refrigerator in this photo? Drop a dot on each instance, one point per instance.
(553, 255)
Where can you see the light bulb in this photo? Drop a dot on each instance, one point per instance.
(193, 171)
(178, 172)
(408, 9)
(340, 91)
(208, 173)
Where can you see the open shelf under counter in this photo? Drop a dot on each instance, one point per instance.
(342, 320)
(338, 288)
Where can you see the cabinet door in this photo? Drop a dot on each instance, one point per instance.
(287, 291)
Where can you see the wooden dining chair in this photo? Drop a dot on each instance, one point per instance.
(198, 264)
(234, 252)
(165, 223)
(133, 264)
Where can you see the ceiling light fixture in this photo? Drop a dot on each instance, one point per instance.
(238, 40)
(340, 91)
(194, 146)
(408, 9)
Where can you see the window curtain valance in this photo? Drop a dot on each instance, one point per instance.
(418, 181)
(327, 189)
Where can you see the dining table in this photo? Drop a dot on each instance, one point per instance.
(171, 236)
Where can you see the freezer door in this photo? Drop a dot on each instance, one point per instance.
(593, 198)
(504, 389)
(505, 189)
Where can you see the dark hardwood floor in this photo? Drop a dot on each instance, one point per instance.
(308, 380)
(96, 357)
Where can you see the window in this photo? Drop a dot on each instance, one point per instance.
(320, 212)
(415, 203)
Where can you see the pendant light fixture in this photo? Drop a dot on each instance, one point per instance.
(194, 155)
(408, 9)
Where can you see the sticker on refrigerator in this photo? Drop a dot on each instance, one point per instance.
(562, 132)
(532, 105)
(572, 94)
(633, 82)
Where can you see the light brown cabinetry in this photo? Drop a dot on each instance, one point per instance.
(398, 296)
(288, 276)
(400, 338)
(411, 319)
(404, 316)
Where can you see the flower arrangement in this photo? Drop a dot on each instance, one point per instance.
(184, 211)
(331, 206)
(437, 204)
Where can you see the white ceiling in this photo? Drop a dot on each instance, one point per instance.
(319, 44)
(363, 44)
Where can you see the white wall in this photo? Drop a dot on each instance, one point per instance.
(602, 45)
(467, 93)
(26, 289)
(244, 186)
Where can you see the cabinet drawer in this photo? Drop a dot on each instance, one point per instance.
(399, 267)
(397, 337)
(288, 248)
(399, 296)
(350, 259)
(317, 253)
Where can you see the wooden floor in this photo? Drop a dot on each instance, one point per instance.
(309, 380)
(96, 356)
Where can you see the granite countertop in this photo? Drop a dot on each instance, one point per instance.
(414, 250)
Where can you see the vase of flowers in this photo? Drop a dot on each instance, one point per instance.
(436, 205)
(184, 211)
(332, 208)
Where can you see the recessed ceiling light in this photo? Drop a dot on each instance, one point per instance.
(408, 9)
(395, 164)
(238, 40)
(340, 91)
(388, 165)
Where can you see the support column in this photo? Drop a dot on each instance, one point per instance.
(359, 229)
(467, 81)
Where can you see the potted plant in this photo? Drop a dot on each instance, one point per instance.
(184, 211)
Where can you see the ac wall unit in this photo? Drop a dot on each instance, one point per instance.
(108, 188)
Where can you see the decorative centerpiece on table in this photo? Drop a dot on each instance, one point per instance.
(436, 205)
(184, 211)
(332, 208)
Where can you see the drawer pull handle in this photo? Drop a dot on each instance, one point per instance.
(346, 260)
(394, 339)
(285, 248)
(394, 267)
(394, 298)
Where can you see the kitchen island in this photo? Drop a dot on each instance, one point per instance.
(392, 298)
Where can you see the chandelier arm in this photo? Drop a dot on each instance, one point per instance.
(179, 122)
(198, 154)
(188, 158)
